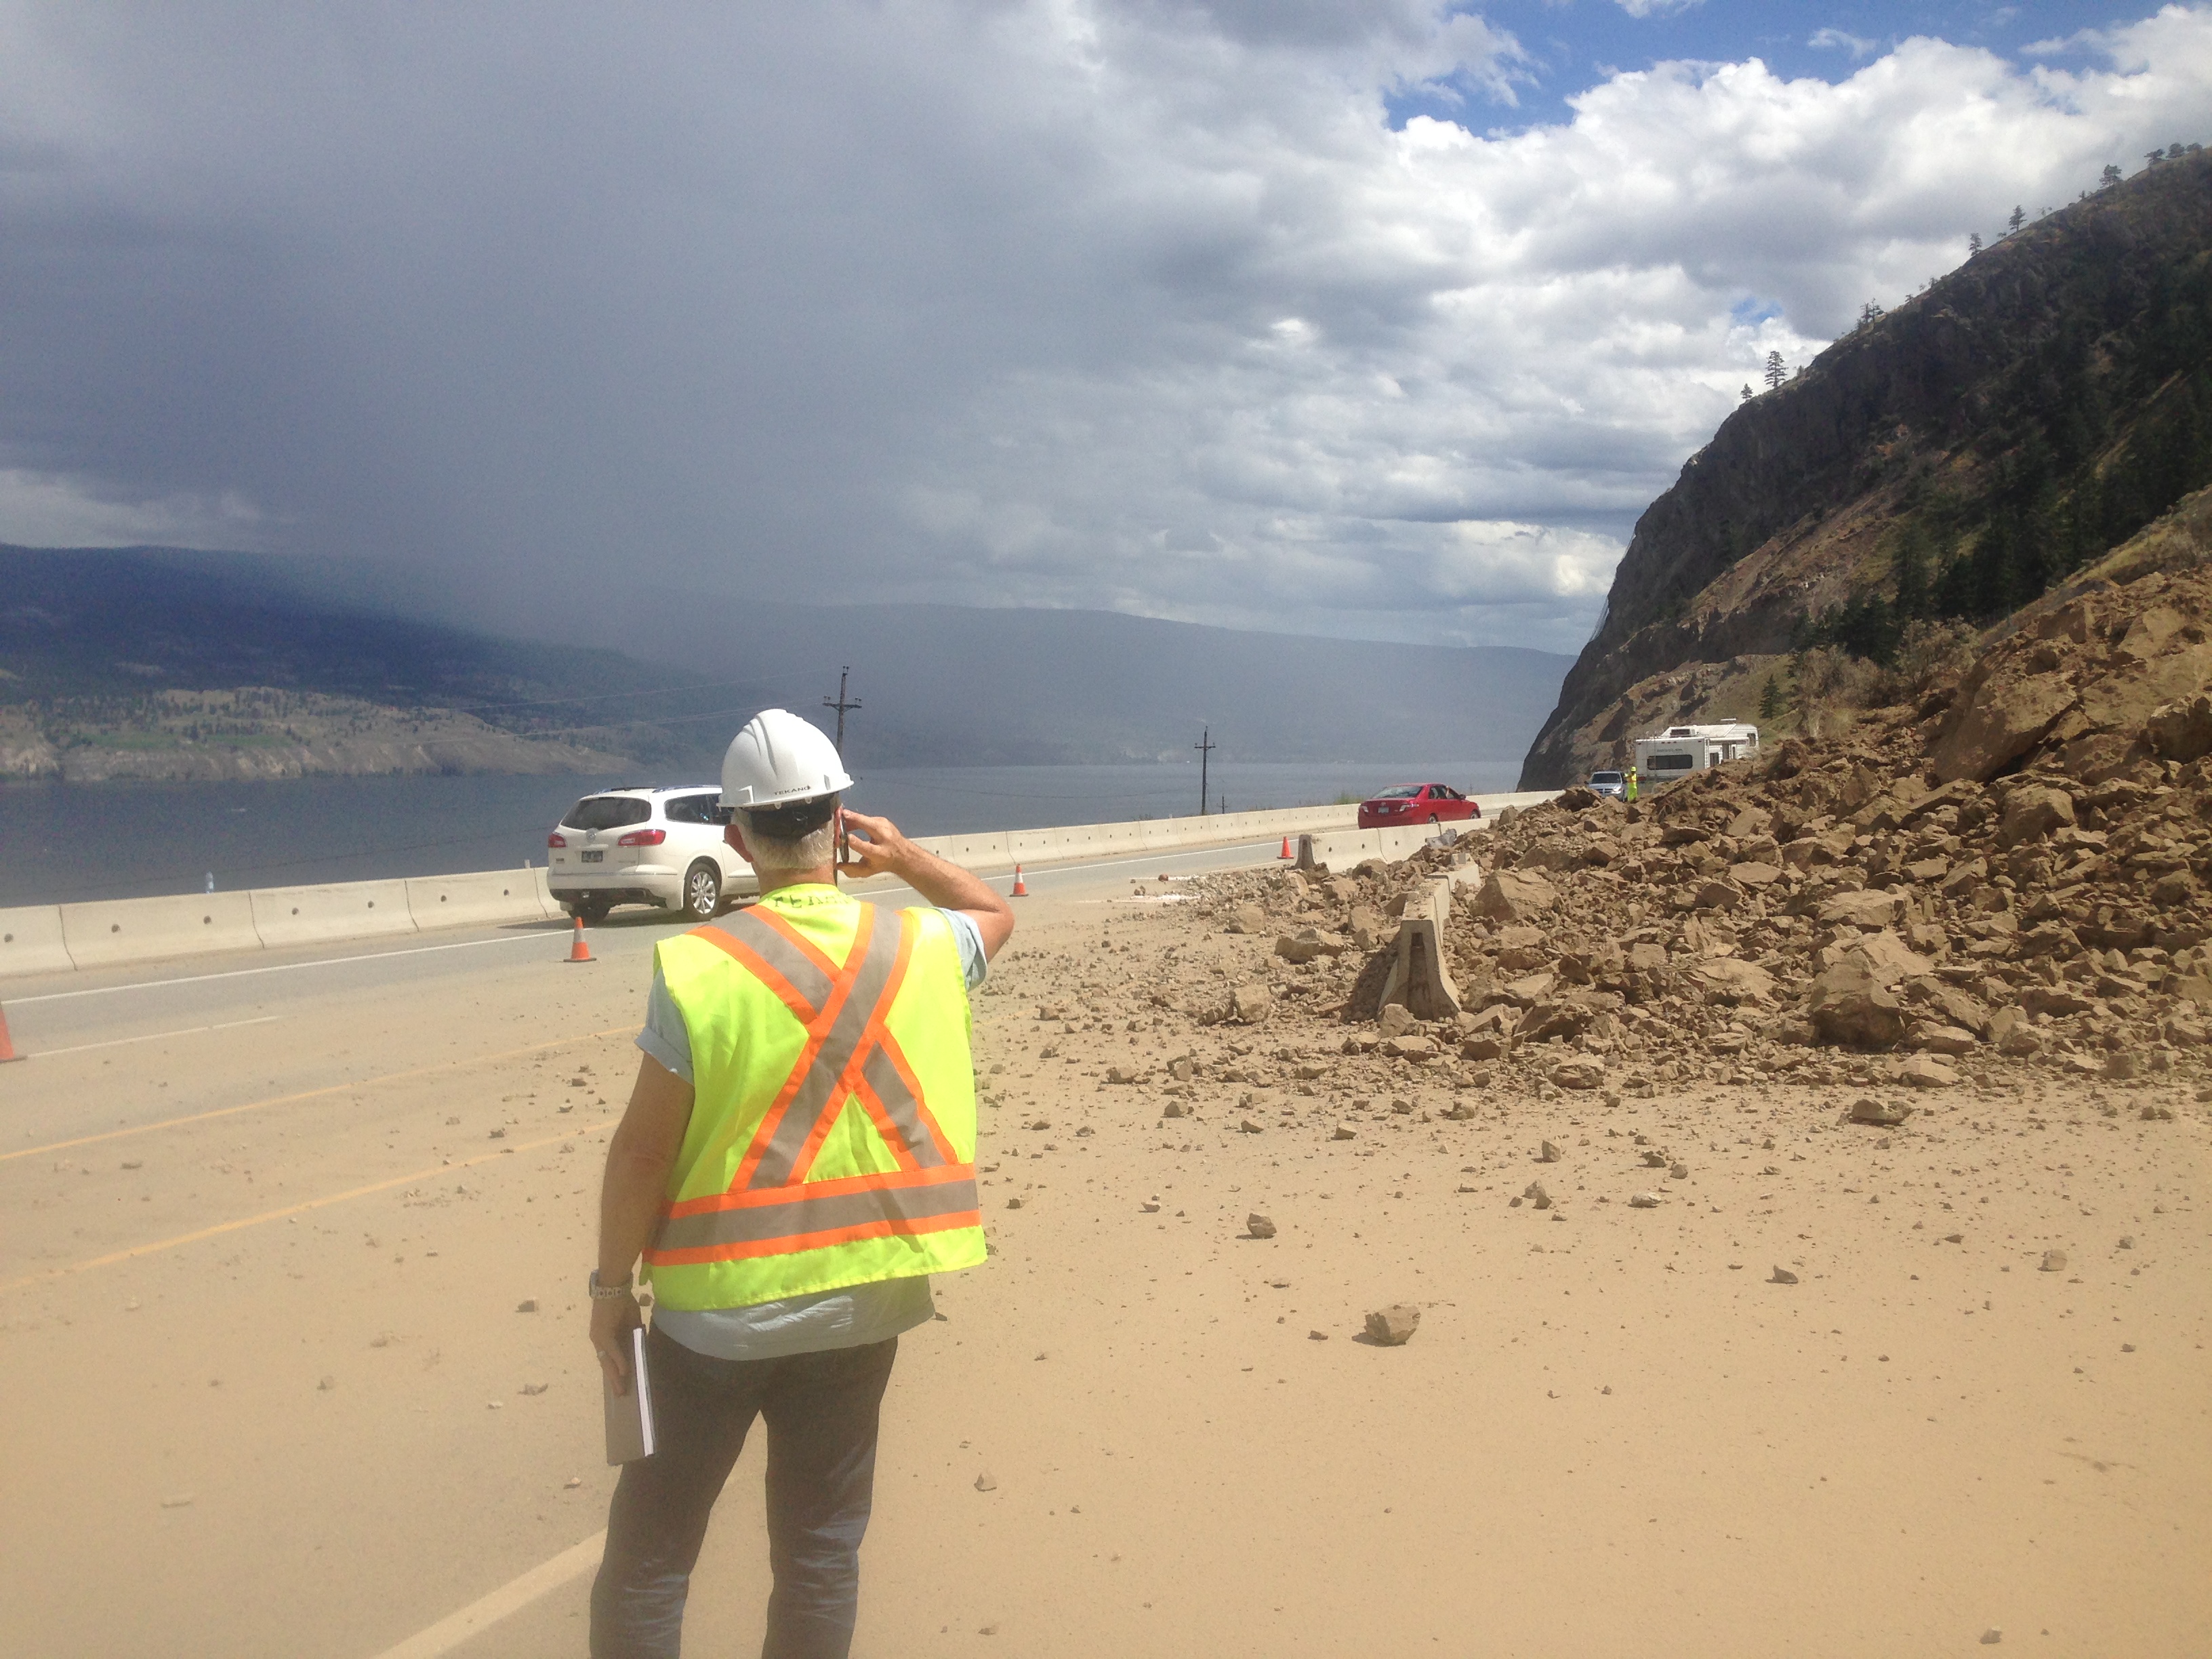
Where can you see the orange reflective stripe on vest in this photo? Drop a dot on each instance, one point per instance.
(771, 1207)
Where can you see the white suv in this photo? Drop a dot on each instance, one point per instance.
(645, 846)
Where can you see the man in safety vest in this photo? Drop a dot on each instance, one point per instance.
(799, 1155)
(1631, 783)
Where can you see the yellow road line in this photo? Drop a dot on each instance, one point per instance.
(309, 1094)
(221, 1228)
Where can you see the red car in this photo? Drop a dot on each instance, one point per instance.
(1416, 803)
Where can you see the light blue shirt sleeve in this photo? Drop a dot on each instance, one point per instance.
(665, 1037)
(973, 964)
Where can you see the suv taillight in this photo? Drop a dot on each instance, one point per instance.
(556, 838)
(643, 838)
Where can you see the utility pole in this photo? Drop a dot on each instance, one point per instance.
(841, 705)
(1206, 746)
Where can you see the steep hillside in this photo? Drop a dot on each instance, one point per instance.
(1946, 461)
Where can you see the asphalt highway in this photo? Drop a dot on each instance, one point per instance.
(264, 1221)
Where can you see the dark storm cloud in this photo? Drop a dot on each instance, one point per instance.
(1145, 307)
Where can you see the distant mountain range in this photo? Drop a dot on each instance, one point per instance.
(95, 646)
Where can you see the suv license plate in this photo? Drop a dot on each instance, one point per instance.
(597, 855)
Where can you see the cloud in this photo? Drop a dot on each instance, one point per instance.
(1147, 306)
(1832, 39)
(1655, 8)
(42, 510)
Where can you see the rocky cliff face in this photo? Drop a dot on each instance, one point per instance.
(2026, 413)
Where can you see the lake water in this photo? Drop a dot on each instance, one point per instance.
(62, 842)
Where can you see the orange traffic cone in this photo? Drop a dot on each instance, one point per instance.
(1021, 887)
(7, 1049)
(580, 952)
(1286, 852)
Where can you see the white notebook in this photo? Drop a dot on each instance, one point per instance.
(629, 1416)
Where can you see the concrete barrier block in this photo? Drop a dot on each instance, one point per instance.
(31, 941)
(115, 930)
(971, 852)
(484, 899)
(313, 915)
(550, 908)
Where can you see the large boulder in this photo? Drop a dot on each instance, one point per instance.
(2033, 812)
(1850, 1006)
(1868, 907)
(2181, 730)
(2005, 718)
(1725, 979)
(1889, 958)
(2124, 700)
(1515, 896)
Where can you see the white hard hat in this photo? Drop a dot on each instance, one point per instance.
(778, 759)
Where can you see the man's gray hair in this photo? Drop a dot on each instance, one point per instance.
(810, 851)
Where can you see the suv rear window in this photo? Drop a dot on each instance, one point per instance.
(607, 812)
(1605, 777)
(693, 809)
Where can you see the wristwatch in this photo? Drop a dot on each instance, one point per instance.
(608, 1293)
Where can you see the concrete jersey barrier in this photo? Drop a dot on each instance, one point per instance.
(31, 941)
(346, 909)
(113, 931)
(483, 899)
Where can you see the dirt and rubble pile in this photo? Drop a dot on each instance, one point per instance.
(2012, 871)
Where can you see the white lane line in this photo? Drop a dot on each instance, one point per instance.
(156, 1036)
(282, 968)
(450, 1632)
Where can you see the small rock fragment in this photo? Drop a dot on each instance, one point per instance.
(180, 1501)
(1547, 1153)
(1014, 1204)
(535, 1387)
(1535, 1193)
(1341, 1134)
(1991, 1637)
(1317, 1336)
(1644, 1201)
(2054, 1262)
(986, 1483)
(1881, 1113)
(1677, 1170)
(326, 1385)
(1782, 1276)
(1393, 1327)
(1259, 1226)
(528, 1304)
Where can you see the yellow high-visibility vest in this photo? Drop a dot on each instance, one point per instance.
(832, 1140)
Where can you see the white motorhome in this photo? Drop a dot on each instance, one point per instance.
(1681, 749)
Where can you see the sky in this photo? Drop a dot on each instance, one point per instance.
(1377, 318)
